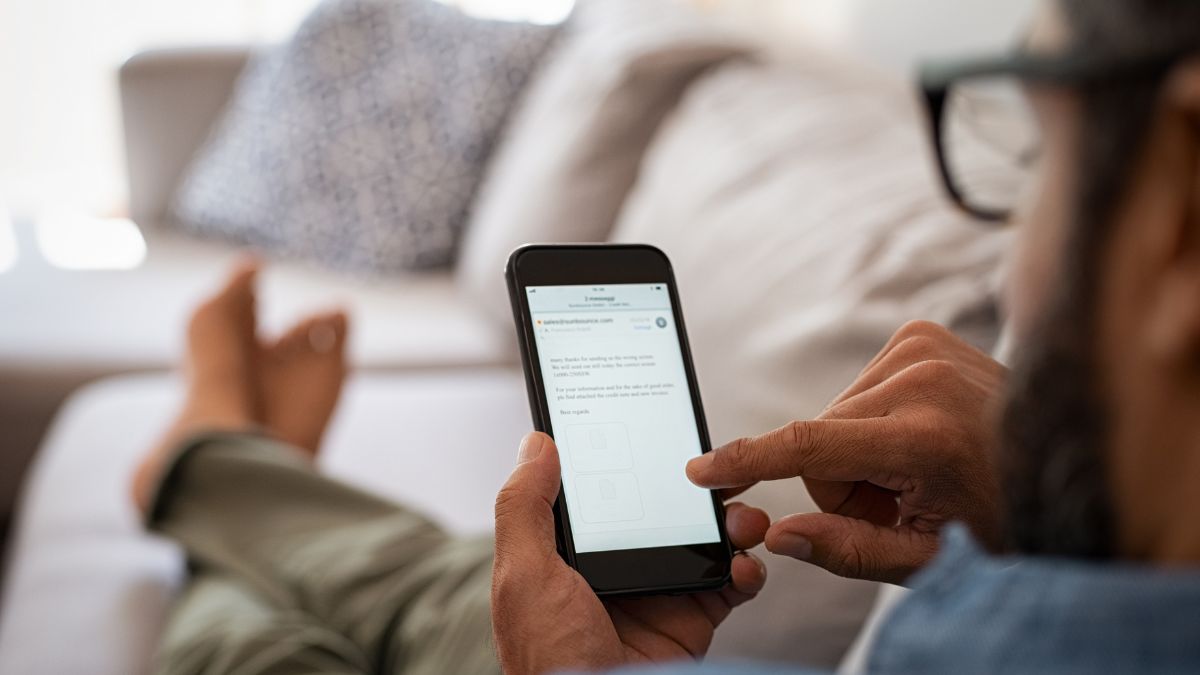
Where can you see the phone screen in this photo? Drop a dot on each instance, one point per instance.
(622, 416)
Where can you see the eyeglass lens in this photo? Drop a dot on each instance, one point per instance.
(991, 142)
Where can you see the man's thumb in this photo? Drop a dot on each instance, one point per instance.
(853, 548)
(525, 505)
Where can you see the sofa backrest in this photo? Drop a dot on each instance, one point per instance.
(169, 101)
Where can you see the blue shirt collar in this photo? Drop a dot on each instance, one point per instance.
(970, 612)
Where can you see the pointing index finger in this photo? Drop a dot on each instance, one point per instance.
(836, 450)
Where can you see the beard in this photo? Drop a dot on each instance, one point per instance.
(1053, 443)
(1054, 438)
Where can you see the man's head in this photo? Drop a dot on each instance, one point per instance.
(1102, 430)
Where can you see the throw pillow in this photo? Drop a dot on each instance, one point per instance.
(360, 142)
(571, 154)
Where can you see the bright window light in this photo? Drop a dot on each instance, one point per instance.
(534, 11)
(73, 241)
(8, 242)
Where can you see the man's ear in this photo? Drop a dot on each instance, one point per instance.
(1175, 318)
(1168, 213)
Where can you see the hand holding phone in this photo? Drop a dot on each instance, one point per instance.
(610, 378)
(545, 616)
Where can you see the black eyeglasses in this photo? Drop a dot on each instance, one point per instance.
(985, 134)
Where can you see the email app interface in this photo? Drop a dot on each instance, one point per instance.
(622, 416)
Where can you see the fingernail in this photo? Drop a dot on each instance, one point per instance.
(531, 448)
(793, 545)
(762, 568)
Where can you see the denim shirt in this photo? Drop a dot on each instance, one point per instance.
(972, 613)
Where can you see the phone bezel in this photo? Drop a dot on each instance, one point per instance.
(670, 569)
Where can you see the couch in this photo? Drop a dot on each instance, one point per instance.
(774, 269)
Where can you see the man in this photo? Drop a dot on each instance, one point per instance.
(1092, 487)
(1088, 489)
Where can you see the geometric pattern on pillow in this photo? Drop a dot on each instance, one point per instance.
(360, 143)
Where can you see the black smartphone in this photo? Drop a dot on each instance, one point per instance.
(610, 378)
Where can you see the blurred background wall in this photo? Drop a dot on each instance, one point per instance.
(59, 124)
(894, 33)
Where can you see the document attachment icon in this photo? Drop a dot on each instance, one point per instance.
(609, 497)
(599, 447)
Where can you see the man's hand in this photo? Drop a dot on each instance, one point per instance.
(546, 618)
(904, 450)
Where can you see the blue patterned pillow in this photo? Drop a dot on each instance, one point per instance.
(359, 143)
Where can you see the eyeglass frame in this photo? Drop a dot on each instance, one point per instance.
(1072, 70)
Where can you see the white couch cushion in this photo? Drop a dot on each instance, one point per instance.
(804, 226)
(799, 206)
(571, 152)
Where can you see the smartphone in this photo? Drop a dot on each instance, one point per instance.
(610, 378)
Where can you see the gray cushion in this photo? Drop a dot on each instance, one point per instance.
(360, 142)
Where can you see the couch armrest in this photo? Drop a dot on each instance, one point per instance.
(169, 100)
